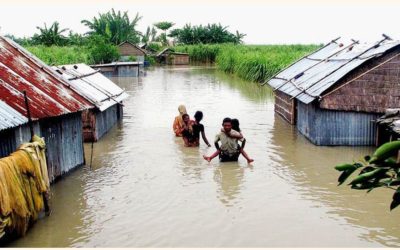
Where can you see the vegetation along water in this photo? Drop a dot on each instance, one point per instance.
(255, 63)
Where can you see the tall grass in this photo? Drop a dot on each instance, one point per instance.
(257, 63)
(58, 55)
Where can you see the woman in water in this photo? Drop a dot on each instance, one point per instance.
(178, 122)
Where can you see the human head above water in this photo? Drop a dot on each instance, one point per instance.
(227, 124)
(235, 124)
(185, 117)
(198, 116)
(182, 109)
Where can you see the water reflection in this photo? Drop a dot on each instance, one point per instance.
(229, 177)
(191, 162)
(252, 91)
(145, 189)
(316, 179)
(68, 212)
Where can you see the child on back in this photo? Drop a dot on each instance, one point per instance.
(235, 126)
(234, 133)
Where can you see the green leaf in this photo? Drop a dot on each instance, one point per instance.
(367, 176)
(345, 174)
(396, 199)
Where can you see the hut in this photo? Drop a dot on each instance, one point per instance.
(119, 69)
(13, 129)
(148, 50)
(334, 95)
(168, 56)
(128, 50)
(105, 95)
(54, 107)
(388, 126)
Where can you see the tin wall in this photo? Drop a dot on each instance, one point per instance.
(10, 139)
(64, 144)
(106, 120)
(330, 127)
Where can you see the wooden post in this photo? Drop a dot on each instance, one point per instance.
(29, 115)
(45, 196)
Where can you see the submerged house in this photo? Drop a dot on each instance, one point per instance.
(148, 50)
(105, 95)
(128, 50)
(119, 69)
(389, 126)
(13, 129)
(168, 56)
(335, 94)
(54, 107)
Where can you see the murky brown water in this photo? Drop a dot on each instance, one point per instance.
(146, 190)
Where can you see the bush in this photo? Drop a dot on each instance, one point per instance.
(150, 59)
(257, 63)
(101, 51)
(57, 55)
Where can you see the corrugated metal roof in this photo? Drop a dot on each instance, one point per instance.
(391, 120)
(134, 45)
(309, 77)
(116, 64)
(9, 117)
(49, 94)
(91, 84)
(170, 51)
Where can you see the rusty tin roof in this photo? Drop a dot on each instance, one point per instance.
(49, 95)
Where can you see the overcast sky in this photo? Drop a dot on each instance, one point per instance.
(264, 22)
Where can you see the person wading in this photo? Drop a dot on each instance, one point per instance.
(178, 122)
(187, 131)
(229, 149)
(199, 128)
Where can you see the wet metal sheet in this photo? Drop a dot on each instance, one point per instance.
(308, 78)
(49, 95)
(9, 117)
(91, 84)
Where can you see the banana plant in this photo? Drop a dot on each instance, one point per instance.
(115, 26)
(50, 36)
(381, 170)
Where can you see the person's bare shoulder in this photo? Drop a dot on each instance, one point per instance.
(235, 133)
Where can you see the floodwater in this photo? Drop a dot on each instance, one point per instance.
(146, 190)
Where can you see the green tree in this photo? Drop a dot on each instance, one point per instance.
(115, 27)
(164, 26)
(381, 170)
(101, 51)
(76, 39)
(25, 41)
(209, 34)
(149, 35)
(50, 36)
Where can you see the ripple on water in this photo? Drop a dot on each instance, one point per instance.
(146, 190)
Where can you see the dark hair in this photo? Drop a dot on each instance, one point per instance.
(198, 116)
(235, 124)
(227, 119)
(184, 115)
